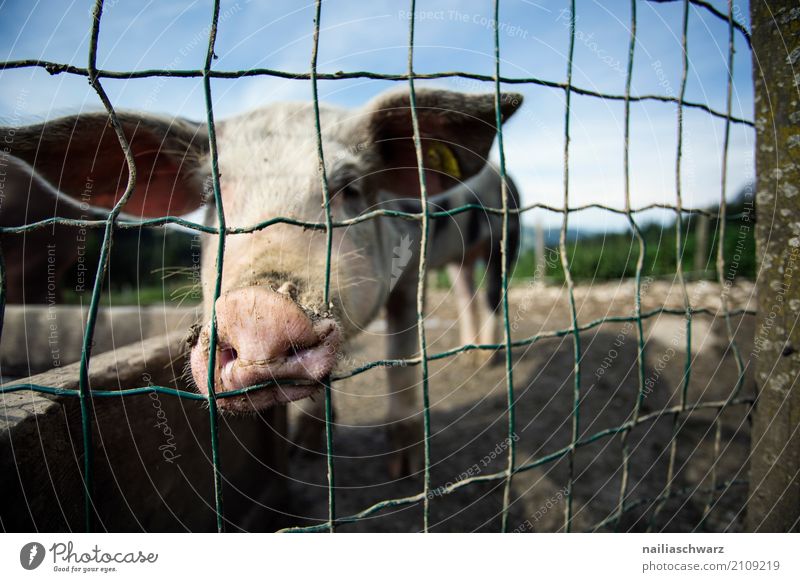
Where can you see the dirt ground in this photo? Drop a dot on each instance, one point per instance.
(469, 420)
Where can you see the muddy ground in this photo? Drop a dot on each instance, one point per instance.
(469, 420)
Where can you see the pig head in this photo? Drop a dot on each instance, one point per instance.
(273, 324)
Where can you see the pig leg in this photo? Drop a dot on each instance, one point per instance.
(492, 309)
(469, 308)
(404, 426)
(491, 324)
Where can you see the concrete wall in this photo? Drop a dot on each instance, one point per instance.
(37, 338)
(152, 466)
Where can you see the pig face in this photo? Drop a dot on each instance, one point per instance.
(272, 320)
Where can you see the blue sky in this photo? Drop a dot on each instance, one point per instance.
(451, 35)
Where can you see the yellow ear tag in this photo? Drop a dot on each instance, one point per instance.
(442, 159)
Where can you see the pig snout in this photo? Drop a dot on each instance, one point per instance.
(264, 336)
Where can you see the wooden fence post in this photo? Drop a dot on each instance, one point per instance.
(774, 503)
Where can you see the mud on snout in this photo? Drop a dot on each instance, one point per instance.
(265, 338)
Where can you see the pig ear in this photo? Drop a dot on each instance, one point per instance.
(456, 131)
(81, 157)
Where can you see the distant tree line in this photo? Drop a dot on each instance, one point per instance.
(146, 265)
(613, 256)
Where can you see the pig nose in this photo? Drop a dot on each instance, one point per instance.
(264, 336)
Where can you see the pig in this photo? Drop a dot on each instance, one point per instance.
(459, 242)
(272, 322)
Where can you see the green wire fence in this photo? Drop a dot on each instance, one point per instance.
(678, 413)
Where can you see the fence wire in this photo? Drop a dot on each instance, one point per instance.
(679, 413)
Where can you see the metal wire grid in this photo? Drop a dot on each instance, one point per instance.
(85, 394)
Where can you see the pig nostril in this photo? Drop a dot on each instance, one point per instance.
(227, 357)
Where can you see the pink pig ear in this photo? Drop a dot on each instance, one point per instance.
(81, 157)
(456, 131)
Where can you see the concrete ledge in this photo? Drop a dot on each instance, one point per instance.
(152, 453)
(40, 337)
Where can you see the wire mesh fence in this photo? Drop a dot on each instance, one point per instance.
(112, 221)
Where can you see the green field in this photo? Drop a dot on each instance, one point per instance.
(614, 256)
